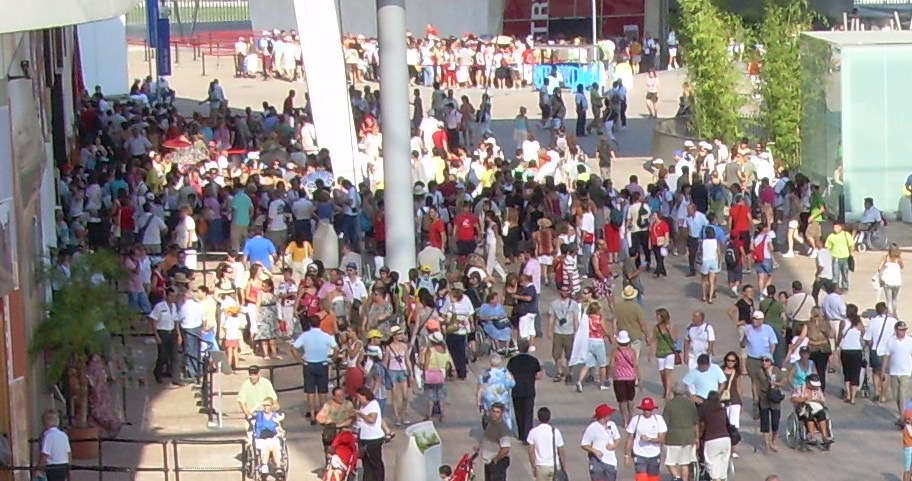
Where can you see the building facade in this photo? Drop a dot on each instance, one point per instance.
(38, 65)
(855, 117)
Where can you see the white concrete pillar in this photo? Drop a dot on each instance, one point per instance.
(103, 53)
(318, 28)
(394, 97)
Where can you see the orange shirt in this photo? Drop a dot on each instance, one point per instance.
(329, 324)
(907, 436)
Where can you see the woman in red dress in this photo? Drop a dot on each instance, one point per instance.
(612, 236)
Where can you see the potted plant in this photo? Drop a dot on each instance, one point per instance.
(76, 331)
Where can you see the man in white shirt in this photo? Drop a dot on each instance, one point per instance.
(647, 435)
(824, 274)
(149, 230)
(876, 336)
(544, 440)
(722, 153)
(898, 364)
(277, 226)
(191, 318)
(351, 209)
(302, 211)
(699, 339)
(55, 449)
(137, 145)
(241, 49)
(164, 319)
(833, 308)
(600, 439)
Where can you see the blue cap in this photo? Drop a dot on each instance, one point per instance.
(679, 153)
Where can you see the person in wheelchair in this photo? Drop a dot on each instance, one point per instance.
(495, 322)
(871, 218)
(342, 455)
(268, 434)
(810, 406)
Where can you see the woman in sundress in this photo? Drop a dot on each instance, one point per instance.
(267, 320)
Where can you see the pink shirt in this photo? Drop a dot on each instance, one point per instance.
(533, 270)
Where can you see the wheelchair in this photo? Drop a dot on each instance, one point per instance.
(796, 434)
(699, 472)
(485, 344)
(278, 471)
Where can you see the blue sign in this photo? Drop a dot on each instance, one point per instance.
(152, 14)
(572, 73)
(163, 48)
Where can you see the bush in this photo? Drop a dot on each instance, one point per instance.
(716, 102)
(782, 80)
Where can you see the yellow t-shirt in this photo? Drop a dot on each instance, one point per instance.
(253, 395)
(299, 253)
(487, 178)
(840, 244)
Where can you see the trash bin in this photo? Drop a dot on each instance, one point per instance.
(423, 455)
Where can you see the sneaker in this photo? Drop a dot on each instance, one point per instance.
(604, 388)
(579, 387)
(264, 469)
(813, 254)
(735, 456)
(789, 254)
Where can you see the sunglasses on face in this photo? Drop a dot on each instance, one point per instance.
(731, 360)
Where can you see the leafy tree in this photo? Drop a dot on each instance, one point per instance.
(715, 100)
(78, 322)
(783, 82)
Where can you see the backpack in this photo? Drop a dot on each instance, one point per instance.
(731, 256)
(759, 252)
(642, 217)
(616, 217)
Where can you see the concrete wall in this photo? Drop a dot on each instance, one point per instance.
(103, 52)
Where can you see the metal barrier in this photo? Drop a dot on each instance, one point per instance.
(166, 469)
(175, 443)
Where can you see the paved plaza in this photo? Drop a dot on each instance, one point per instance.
(867, 448)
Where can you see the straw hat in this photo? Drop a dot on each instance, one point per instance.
(544, 223)
(630, 293)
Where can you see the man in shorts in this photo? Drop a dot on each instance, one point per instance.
(898, 365)
(876, 336)
(599, 441)
(318, 347)
(563, 319)
(683, 431)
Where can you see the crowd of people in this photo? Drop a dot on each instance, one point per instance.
(495, 229)
(470, 60)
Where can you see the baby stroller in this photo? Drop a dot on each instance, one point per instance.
(342, 457)
(465, 469)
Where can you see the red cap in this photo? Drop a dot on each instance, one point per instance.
(603, 411)
(647, 404)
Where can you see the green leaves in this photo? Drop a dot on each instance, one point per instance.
(716, 101)
(86, 309)
(783, 82)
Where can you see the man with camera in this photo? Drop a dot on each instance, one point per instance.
(564, 315)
